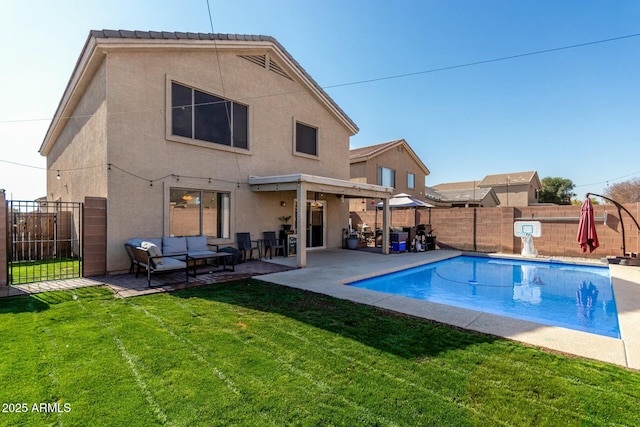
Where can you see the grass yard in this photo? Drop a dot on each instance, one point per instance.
(252, 354)
(34, 271)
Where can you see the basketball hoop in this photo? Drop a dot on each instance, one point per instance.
(527, 230)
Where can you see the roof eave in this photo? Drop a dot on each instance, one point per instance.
(388, 146)
(97, 46)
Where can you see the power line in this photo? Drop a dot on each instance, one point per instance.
(610, 180)
(487, 61)
(22, 165)
(396, 76)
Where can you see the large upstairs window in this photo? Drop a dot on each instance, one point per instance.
(206, 117)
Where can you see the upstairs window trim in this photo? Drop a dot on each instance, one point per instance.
(386, 177)
(305, 140)
(411, 180)
(202, 116)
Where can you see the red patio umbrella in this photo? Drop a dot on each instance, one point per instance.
(587, 236)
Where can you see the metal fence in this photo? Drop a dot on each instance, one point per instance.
(45, 241)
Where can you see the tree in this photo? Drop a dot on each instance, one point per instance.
(625, 191)
(556, 190)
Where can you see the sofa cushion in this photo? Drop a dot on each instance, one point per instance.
(197, 243)
(136, 242)
(174, 245)
(171, 264)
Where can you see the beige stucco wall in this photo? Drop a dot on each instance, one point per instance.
(532, 194)
(514, 195)
(146, 161)
(80, 152)
(396, 158)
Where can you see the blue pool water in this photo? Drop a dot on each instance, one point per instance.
(557, 294)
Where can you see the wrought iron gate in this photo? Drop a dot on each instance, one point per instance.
(44, 241)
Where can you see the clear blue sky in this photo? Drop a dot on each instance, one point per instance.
(572, 113)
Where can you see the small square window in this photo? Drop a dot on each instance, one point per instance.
(306, 139)
(386, 177)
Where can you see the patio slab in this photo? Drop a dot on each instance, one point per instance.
(328, 271)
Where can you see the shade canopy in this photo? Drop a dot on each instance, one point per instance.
(587, 236)
(403, 200)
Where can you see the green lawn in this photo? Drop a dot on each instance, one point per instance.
(253, 354)
(36, 271)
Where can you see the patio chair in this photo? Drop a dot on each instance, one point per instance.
(271, 243)
(246, 244)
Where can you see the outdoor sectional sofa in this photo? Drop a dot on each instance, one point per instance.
(166, 254)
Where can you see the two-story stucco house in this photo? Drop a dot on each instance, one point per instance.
(189, 134)
(390, 164)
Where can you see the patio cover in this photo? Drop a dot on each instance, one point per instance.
(302, 183)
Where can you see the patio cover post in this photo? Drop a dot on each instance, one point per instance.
(386, 213)
(301, 241)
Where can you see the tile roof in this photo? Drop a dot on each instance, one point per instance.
(504, 178)
(467, 195)
(176, 35)
(462, 185)
(433, 194)
(365, 153)
(371, 150)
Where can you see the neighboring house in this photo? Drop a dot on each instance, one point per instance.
(390, 164)
(464, 194)
(507, 189)
(435, 198)
(188, 134)
(515, 188)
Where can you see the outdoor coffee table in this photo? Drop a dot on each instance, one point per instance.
(220, 257)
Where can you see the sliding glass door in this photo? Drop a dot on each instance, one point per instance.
(315, 227)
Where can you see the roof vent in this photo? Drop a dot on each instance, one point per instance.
(276, 69)
(260, 60)
(266, 62)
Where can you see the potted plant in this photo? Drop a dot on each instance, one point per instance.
(352, 240)
(285, 222)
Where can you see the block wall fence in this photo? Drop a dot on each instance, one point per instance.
(491, 229)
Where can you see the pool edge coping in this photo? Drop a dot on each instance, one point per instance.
(625, 280)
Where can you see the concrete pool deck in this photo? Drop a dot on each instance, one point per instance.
(327, 272)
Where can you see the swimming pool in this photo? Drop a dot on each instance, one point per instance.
(567, 295)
